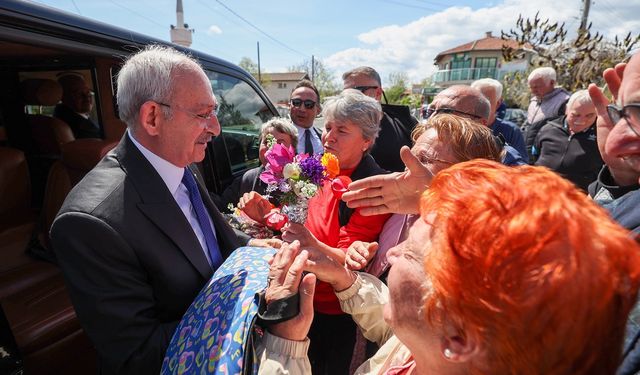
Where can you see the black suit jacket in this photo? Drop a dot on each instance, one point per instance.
(396, 126)
(80, 126)
(130, 259)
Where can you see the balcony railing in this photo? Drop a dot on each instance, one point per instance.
(465, 74)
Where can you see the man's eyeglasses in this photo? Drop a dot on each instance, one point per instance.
(308, 103)
(435, 111)
(630, 112)
(362, 89)
(202, 116)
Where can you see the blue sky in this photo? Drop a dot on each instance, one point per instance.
(390, 35)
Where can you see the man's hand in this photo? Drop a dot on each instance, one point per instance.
(285, 273)
(255, 206)
(391, 193)
(619, 170)
(359, 254)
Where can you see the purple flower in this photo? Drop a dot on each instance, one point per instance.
(313, 169)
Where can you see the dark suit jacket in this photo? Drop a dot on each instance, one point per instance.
(81, 127)
(396, 126)
(131, 261)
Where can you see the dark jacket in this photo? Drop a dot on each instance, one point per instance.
(605, 189)
(131, 260)
(80, 126)
(249, 181)
(396, 126)
(574, 156)
(626, 211)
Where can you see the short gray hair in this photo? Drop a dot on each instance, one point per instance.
(581, 97)
(148, 75)
(363, 70)
(491, 83)
(353, 106)
(282, 125)
(546, 72)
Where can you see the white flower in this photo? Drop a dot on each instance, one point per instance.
(309, 190)
(292, 171)
(297, 188)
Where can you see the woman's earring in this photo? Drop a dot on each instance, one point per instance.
(448, 353)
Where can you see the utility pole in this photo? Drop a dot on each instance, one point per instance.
(585, 15)
(313, 68)
(259, 76)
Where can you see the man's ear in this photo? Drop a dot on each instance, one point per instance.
(458, 347)
(149, 116)
(379, 93)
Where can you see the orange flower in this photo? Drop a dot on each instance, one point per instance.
(330, 162)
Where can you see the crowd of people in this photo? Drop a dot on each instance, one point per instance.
(449, 253)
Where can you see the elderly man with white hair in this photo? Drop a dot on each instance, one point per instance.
(492, 90)
(547, 102)
(568, 144)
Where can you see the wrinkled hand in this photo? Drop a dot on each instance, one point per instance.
(391, 193)
(255, 206)
(329, 270)
(359, 254)
(298, 232)
(275, 243)
(285, 275)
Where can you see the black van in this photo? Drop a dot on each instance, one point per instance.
(41, 158)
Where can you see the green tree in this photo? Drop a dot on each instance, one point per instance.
(578, 60)
(323, 77)
(250, 66)
(395, 91)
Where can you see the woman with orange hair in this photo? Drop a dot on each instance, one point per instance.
(508, 271)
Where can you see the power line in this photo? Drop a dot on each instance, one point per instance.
(76, 6)
(260, 30)
(138, 14)
(412, 6)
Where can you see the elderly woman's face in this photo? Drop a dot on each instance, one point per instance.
(432, 153)
(281, 138)
(344, 139)
(408, 288)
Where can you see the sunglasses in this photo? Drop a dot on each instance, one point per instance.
(433, 111)
(630, 112)
(362, 89)
(308, 104)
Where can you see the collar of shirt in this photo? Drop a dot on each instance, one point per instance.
(170, 174)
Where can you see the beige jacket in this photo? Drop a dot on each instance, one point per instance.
(364, 300)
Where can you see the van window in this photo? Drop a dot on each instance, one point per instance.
(242, 112)
(80, 100)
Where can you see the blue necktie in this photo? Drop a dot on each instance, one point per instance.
(203, 218)
(308, 147)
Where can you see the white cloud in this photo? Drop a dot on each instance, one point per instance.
(411, 48)
(214, 30)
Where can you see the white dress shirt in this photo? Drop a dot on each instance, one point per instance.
(172, 177)
(315, 140)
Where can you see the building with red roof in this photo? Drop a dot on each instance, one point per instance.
(481, 58)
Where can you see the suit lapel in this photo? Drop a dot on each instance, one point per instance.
(159, 206)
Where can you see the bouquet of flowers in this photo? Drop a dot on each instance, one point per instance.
(296, 177)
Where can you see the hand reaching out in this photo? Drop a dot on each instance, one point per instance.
(359, 254)
(391, 193)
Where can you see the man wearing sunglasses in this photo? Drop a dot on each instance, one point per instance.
(469, 102)
(396, 124)
(304, 107)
